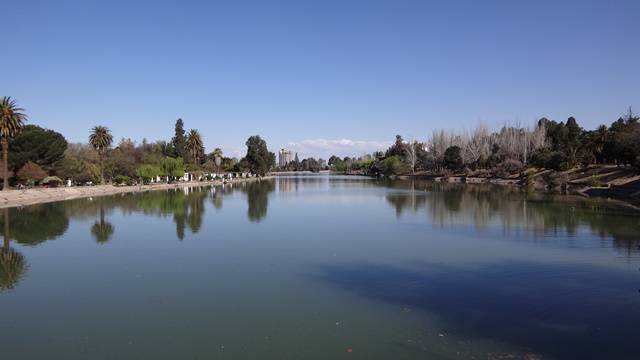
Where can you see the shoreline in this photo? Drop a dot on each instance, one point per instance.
(622, 193)
(15, 198)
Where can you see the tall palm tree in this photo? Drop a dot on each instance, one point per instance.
(600, 139)
(194, 145)
(11, 121)
(217, 158)
(101, 140)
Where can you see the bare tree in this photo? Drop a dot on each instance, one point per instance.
(513, 141)
(476, 145)
(412, 158)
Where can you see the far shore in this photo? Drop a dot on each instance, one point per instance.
(13, 198)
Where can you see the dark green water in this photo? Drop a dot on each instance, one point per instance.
(321, 267)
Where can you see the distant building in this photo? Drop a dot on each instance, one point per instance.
(284, 157)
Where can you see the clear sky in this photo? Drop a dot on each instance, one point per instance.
(319, 76)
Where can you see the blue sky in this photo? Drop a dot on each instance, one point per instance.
(318, 76)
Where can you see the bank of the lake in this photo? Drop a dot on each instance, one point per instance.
(11, 198)
(606, 181)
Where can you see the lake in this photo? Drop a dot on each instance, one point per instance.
(322, 267)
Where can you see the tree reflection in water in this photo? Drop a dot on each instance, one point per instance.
(13, 265)
(102, 230)
(258, 198)
(186, 206)
(538, 213)
(35, 224)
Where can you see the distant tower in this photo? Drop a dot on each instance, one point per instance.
(285, 157)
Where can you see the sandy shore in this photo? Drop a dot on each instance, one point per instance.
(11, 198)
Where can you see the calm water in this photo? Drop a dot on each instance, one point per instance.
(321, 267)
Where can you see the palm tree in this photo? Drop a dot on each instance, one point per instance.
(194, 145)
(217, 158)
(101, 139)
(11, 121)
(600, 139)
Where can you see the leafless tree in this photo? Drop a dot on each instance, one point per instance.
(513, 141)
(412, 158)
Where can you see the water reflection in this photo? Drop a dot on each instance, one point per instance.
(540, 214)
(13, 265)
(555, 300)
(102, 230)
(258, 199)
(33, 225)
(553, 309)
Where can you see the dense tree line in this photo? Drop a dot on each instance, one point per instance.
(33, 154)
(309, 164)
(507, 151)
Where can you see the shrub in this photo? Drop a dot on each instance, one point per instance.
(554, 179)
(452, 158)
(508, 167)
(555, 160)
(529, 179)
(594, 181)
(197, 174)
(147, 172)
(122, 179)
(392, 165)
(31, 173)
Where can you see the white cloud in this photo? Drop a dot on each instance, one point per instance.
(340, 147)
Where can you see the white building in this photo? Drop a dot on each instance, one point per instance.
(284, 157)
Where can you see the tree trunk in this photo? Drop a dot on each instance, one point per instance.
(101, 168)
(5, 163)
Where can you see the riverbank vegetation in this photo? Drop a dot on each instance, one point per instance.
(32, 153)
(511, 151)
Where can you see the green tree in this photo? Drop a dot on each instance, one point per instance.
(79, 170)
(195, 146)
(453, 158)
(41, 146)
(172, 167)
(600, 138)
(572, 141)
(179, 141)
(164, 148)
(101, 140)
(216, 157)
(12, 119)
(295, 164)
(124, 159)
(217, 152)
(258, 159)
(392, 165)
(147, 172)
(398, 148)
